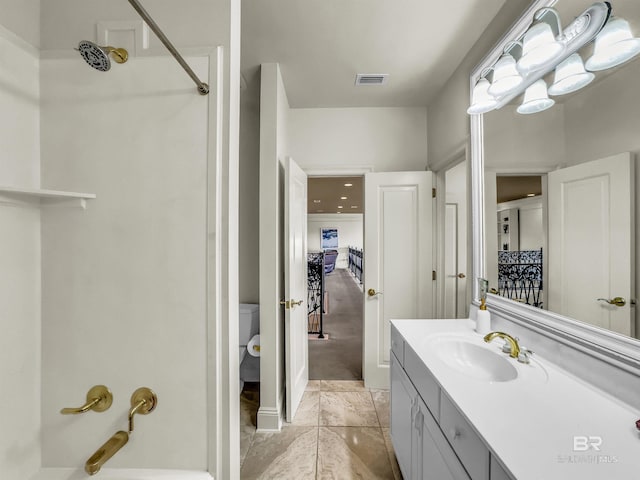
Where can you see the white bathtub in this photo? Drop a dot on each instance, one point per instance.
(120, 474)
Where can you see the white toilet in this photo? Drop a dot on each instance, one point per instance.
(248, 327)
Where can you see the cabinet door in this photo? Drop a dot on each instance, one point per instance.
(435, 458)
(403, 409)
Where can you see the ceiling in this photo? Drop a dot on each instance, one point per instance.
(322, 45)
(514, 187)
(324, 195)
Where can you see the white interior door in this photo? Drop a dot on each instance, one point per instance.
(398, 253)
(591, 239)
(295, 286)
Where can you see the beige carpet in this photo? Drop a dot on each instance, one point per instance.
(340, 356)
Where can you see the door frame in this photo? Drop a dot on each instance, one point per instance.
(459, 154)
(351, 171)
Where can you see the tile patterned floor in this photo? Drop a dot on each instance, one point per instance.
(340, 432)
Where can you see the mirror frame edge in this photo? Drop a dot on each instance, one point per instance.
(611, 347)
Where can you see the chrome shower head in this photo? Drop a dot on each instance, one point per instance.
(98, 57)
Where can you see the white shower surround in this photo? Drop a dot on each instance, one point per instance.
(120, 474)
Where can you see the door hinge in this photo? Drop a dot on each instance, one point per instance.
(433, 193)
(433, 274)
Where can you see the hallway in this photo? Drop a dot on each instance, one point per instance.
(339, 357)
(341, 431)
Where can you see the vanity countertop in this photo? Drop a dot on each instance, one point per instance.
(530, 423)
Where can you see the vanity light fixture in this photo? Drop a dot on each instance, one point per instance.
(481, 100)
(538, 52)
(536, 99)
(539, 44)
(614, 45)
(506, 77)
(570, 76)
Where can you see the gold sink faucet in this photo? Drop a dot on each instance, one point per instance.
(515, 348)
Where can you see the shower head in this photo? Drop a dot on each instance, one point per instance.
(98, 57)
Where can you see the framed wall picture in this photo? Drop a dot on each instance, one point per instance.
(328, 238)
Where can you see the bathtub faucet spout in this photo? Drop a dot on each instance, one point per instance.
(105, 452)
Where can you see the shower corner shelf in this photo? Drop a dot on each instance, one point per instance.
(27, 196)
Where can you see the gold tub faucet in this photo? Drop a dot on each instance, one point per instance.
(105, 452)
(515, 348)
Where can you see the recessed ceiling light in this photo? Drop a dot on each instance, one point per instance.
(343, 198)
(316, 201)
(348, 184)
(338, 212)
(319, 211)
(531, 194)
(354, 206)
(340, 206)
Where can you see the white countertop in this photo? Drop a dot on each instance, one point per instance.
(529, 423)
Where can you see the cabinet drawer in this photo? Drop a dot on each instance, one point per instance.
(470, 449)
(437, 461)
(397, 345)
(424, 382)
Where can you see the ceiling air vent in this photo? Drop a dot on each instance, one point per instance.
(371, 78)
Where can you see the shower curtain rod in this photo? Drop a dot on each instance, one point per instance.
(203, 88)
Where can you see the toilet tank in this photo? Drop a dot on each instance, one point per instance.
(249, 322)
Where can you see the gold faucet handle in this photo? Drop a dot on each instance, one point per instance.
(99, 399)
(143, 401)
(506, 348)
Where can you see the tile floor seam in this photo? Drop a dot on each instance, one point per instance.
(317, 450)
(375, 409)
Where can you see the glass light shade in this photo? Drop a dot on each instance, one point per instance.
(506, 78)
(536, 99)
(570, 76)
(614, 45)
(539, 46)
(481, 100)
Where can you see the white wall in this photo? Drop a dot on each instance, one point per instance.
(513, 141)
(19, 256)
(447, 115)
(249, 193)
(124, 282)
(274, 148)
(531, 230)
(22, 17)
(350, 233)
(388, 139)
(197, 23)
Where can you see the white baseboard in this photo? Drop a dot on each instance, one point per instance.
(269, 419)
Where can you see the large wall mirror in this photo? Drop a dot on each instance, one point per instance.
(555, 199)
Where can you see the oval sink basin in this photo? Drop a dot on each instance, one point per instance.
(475, 360)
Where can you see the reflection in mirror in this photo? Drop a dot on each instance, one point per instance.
(569, 245)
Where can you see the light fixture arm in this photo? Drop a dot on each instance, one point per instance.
(540, 14)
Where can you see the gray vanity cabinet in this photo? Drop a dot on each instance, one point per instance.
(422, 451)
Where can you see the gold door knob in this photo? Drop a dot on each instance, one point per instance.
(617, 301)
(288, 304)
(461, 275)
(372, 293)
